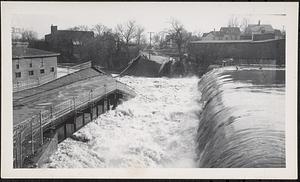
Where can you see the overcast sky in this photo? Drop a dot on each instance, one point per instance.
(154, 17)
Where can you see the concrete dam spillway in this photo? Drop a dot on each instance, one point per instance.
(242, 121)
(228, 119)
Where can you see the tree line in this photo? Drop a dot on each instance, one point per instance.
(113, 48)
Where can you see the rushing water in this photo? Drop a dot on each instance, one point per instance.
(230, 118)
(243, 119)
(157, 128)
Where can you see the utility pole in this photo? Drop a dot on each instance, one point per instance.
(150, 44)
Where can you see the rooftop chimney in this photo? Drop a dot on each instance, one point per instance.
(53, 29)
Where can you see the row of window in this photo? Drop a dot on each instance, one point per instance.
(31, 72)
(30, 65)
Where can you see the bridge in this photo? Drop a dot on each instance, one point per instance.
(61, 107)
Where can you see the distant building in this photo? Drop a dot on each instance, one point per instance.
(278, 34)
(230, 33)
(69, 44)
(258, 32)
(213, 35)
(32, 67)
(225, 33)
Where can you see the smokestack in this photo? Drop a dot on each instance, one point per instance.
(258, 22)
(53, 29)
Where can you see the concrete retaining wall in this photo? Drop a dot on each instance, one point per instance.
(49, 149)
(212, 52)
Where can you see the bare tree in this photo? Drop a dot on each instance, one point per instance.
(80, 28)
(179, 36)
(127, 31)
(159, 39)
(244, 24)
(233, 22)
(196, 35)
(140, 34)
(28, 35)
(99, 29)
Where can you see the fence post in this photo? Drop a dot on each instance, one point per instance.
(32, 144)
(21, 150)
(15, 151)
(51, 111)
(91, 94)
(41, 128)
(74, 102)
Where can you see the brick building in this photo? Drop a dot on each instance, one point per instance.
(69, 43)
(32, 67)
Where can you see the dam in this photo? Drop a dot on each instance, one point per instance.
(242, 124)
(228, 118)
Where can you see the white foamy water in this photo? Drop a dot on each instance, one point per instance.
(157, 128)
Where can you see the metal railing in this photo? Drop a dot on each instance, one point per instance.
(28, 134)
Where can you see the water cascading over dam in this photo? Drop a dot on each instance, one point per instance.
(243, 119)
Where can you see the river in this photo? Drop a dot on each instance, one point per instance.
(243, 119)
(157, 128)
(230, 118)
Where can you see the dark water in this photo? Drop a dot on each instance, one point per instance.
(243, 119)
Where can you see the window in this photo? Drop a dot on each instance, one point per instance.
(30, 65)
(30, 73)
(18, 74)
(42, 71)
(52, 69)
(17, 66)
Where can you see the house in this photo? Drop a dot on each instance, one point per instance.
(225, 33)
(69, 43)
(32, 67)
(230, 33)
(258, 32)
(213, 35)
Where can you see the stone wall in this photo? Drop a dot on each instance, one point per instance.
(49, 149)
(251, 52)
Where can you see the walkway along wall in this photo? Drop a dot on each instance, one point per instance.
(63, 118)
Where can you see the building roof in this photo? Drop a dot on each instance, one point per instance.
(256, 28)
(28, 103)
(214, 33)
(228, 41)
(25, 52)
(205, 34)
(62, 81)
(230, 30)
(71, 34)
